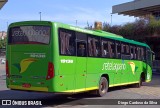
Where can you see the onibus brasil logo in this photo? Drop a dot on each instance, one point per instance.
(24, 64)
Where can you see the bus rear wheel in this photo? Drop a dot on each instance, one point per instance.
(103, 87)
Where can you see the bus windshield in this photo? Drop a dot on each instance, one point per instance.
(29, 35)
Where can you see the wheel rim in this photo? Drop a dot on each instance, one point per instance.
(103, 87)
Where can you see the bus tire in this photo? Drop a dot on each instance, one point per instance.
(103, 87)
(138, 85)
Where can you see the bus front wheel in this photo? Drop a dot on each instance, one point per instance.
(103, 87)
(138, 85)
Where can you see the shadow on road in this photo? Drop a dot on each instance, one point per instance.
(155, 82)
(65, 99)
(47, 98)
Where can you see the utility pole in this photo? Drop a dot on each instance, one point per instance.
(40, 15)
(76, 22)
(88, 25)
(7, 24)
(111, 19)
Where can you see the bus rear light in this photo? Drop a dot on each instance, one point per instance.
(50, 73)
(7, 69)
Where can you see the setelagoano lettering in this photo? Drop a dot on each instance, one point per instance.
(113, 66)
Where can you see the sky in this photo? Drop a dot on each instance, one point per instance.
(65, 11)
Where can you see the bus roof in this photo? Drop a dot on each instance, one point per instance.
(75, 28)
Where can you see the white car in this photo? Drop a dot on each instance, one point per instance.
(3, 61)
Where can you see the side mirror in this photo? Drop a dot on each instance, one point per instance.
(153, 55)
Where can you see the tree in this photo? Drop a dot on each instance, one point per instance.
(3, 43)
(136, 30)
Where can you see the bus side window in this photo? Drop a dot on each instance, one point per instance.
(94, 46)
(104, 48)
(81, 49)
(81, 39)
(125, 51)
(90, 49)
(143, 54)
(118, 49)
(140, 54)
(122, 49)
(131, 52)
(148, 57)
(67, 42)
(134, 52)
(137, 54)
(62, 42)
(111, 49)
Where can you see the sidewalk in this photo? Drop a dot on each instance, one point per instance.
(2, 69)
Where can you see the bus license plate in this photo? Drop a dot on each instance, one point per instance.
(25, 85)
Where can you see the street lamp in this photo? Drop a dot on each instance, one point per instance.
(40, 15)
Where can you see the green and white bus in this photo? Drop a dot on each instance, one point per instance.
(54, 57)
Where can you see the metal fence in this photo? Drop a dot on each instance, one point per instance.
(2, 52)
(156, 66)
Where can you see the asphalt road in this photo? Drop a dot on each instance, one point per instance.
(147, 91)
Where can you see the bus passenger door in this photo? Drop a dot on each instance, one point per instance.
(80, 75)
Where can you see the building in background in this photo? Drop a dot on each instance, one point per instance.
(138, 8)
(142, 8)
(2, 3)
(3, 34)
